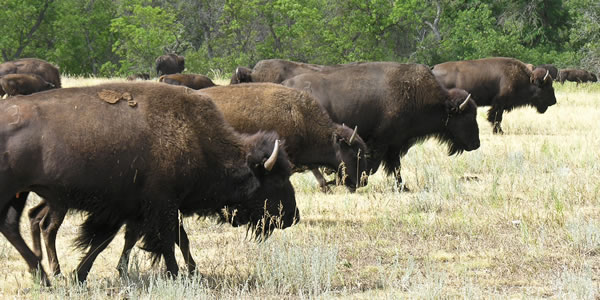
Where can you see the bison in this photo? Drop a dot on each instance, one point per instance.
(550, 68)
(276, 71)
(576, 75)
(311, 140)
(143, 152)
(241, 74)
(23, 84)
(192, 81)
(394, 106)
(41, 68)
(502, 83)
(169, 64)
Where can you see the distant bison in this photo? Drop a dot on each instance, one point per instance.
(141, 76)
(39, 67)
(502, 83)
(23, 84)
(576, 75)
(552, 69)
(394, 106)
(276, 71)
(169, 64)
(192, 81)
(240, 75)
(90, 149)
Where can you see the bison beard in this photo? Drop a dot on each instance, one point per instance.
(173, 151)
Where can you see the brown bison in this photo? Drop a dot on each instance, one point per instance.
(576, 75)
(160, 150)
(140, 76)
(502, 83)
(169, 64)
(550, 68)
(39, 67)
(240, 75)
(276, 71)
(192, 81)
(311, 140)
(23, 84)
(394, 106)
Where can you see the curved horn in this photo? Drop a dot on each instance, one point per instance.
(353, 136)
(464, 104)
(270, 163)
(546, 76)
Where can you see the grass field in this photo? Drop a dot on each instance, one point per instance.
(517, 218)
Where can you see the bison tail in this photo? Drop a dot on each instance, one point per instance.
(96, 233)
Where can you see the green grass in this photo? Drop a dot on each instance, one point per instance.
(517, 218)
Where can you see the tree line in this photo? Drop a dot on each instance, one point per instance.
(122, 37)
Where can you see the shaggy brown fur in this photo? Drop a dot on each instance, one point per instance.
(39, 67)
(394, 105)
(23, 84)
(141, 76)
(241, 74)
(499, 82)
(172, 151)
(311, 138)
(193, 81)
(552, 69)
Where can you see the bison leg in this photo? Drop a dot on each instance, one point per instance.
(36, 214)
(102, 236)
(132, 235)
(9, 227)
(495, 117)
(50, 224)
(320, 179)
(184, 245)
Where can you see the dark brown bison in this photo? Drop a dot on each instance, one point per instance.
(311, 138)
(193, 81)
(550, 68)
(241, 74)
(169, 64)
(502, 83)
(394, 106)
(39, 67)
(151, 150)
(140, 76)
(23, 84)
(576, 75)
(276, 71)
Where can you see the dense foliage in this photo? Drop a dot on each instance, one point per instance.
(104, 37)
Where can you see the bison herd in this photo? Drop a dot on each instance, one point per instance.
(141, 154)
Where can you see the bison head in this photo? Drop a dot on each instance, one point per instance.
(240, 75)
(273, 204)
(461, 130)
(351, 151)
(543, 92)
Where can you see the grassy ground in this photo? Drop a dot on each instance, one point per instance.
(518, 218)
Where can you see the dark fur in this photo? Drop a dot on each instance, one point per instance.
(23, 84)
(41, 68)
(240, 75)
(552, 69)
(576, 75)
(394, 106)
(193, 81)
(169, 64)
(311, 138)
(502, 83)
(172, 151)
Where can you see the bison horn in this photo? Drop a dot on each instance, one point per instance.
(464, 104)
(270, 163)
(353, 136)
(546, 76)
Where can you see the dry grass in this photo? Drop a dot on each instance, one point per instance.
(518, 218)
